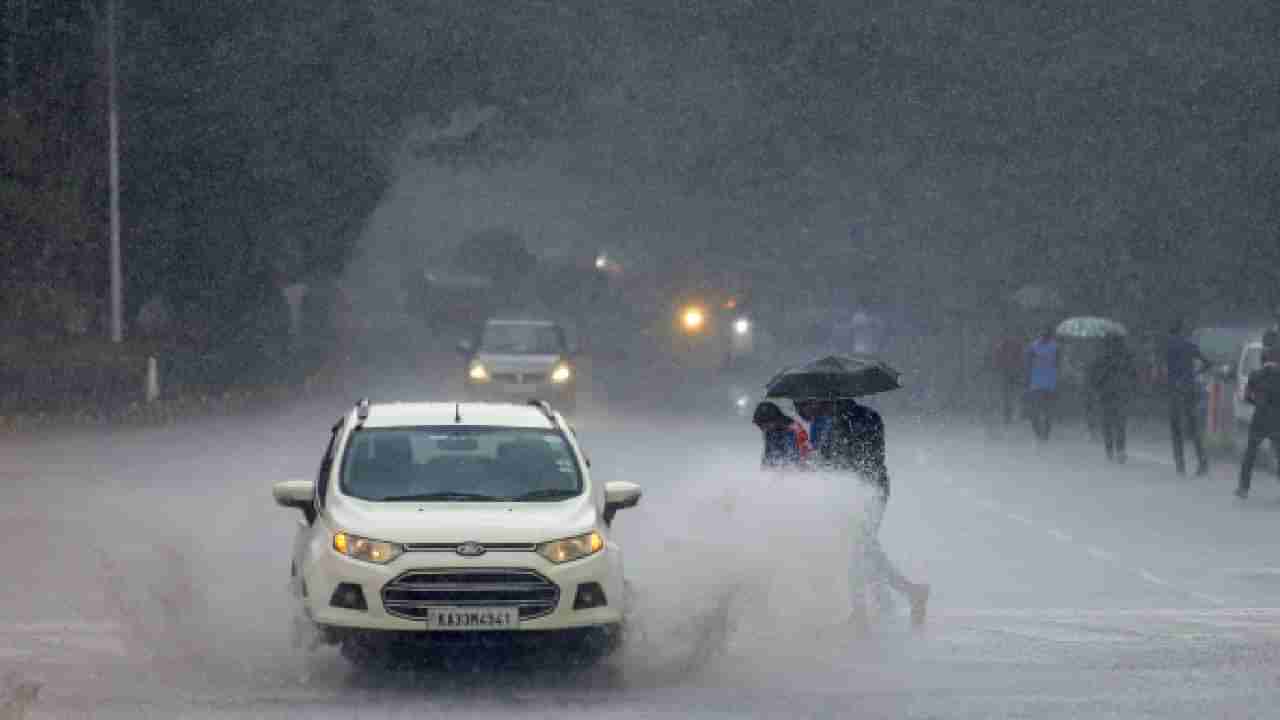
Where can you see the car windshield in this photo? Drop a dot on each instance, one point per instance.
(460, 464)
(523, 338)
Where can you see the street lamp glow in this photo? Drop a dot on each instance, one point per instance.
(602, 262)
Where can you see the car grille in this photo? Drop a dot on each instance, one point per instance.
(453, 547)
(409, 595)
(520, 378)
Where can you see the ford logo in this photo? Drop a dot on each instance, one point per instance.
(471, 549)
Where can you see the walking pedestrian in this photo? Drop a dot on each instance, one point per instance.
(1042, 358)
(1181, 359)
(1006, 361)
(786, 442)
(817, 415)
(1271, 338)
(1263, 392)
(1112, 378)
(856, 444)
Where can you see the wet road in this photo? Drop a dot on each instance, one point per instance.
(145, 577)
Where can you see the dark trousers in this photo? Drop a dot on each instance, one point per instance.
(1010, 386)
(1184, 409)
(1256, 436)
(1114, 418)
(1040, 411)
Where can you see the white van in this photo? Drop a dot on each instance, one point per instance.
(1250, 360)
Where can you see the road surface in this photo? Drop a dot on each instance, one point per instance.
(145, 576)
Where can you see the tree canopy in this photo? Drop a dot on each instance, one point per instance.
(1126, 152)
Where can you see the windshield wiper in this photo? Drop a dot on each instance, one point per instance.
(546, 495)
(424, 497)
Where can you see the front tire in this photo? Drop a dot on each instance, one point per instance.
(591, 646)
(368, 652)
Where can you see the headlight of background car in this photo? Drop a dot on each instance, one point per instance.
(562, 551)
(562, 374)
(374, 551)
(478, 372)
(692, 319)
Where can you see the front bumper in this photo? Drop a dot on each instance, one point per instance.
(330, 569)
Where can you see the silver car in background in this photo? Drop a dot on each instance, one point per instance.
(518, 360)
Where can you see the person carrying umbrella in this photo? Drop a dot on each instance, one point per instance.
(1181, 356)
(1006, 362)
(855, 443)
(786, 442)
(1042, 358)
(1263, 391)
(1112, 378)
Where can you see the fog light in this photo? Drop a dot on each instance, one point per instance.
(348, 596)
(590, 595)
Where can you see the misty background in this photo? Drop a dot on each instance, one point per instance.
(931, 157)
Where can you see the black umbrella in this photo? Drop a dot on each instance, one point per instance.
(835, 376)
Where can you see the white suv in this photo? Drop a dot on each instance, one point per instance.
(439, 523)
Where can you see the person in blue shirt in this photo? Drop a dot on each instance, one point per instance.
(817, 414)
(1042, 358)
(848, 436)
(785, 440)
(1181, 360)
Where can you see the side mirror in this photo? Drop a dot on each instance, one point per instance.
(298, 494)
(619, 495)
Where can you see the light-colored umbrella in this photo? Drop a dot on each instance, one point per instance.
(1090, 327)
(1037, 297)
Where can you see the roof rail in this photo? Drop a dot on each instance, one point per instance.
(545, 407)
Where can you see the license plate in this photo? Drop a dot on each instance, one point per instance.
(468, 618)
(520, 388)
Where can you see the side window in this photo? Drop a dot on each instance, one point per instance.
(326, 464)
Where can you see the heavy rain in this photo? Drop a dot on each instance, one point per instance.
(696, 358)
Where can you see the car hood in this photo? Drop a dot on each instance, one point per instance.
(458, 522)
(503, 362)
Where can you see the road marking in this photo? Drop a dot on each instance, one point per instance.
(1152, 578)
(1093, 551)
(1260, 614)
(1097, 552)
(78, 638)
(1148, 457)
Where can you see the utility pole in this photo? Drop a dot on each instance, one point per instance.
(113, 143)
(17, 28)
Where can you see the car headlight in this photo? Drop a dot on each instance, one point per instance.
(693, 319)
(574, 548)
(742, 326)
(562, 374)
(478, 372)
(360, 548)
